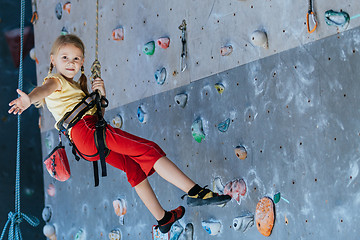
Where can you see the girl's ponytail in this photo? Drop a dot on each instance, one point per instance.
(83, 81)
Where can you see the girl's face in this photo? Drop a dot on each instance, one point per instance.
(68, 60)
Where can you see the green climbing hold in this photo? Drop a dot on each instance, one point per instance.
(333, 18)
(149, 48)
(197, 130)
(277, 197)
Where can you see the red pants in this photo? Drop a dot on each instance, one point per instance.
(134, 155)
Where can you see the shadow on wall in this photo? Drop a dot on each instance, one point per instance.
(31, 189)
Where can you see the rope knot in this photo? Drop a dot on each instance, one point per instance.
(95, 69)
(14, 218)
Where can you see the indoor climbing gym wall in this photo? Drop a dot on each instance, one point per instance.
(256, 99)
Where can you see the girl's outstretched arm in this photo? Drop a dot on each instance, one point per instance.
(23, 102)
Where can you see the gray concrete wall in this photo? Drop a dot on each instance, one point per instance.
(294, 107)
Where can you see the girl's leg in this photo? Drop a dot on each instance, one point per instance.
(148, 197)
(171, 173)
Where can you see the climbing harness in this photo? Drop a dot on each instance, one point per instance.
(183, 55)
(15, 218)
(311, 13)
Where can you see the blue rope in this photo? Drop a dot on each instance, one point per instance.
(14, 219)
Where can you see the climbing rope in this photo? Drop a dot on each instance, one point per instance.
(14, 219)
(96, 66)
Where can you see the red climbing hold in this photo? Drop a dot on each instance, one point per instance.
(163, 42)
(13, 41)
(235, 188)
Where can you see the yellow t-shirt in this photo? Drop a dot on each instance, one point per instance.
(64, 100)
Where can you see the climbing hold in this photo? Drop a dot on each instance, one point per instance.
(49, 231)
(240, 152)
(163, 42)
(115, 234)
(277, 197)
(175, 231)
(51, 190)
(149, 48)
(33, 55)
(46, 214)
(265, 216)
(218, 187)
(197, 130)
(333, 18)
(142, 116)
(67, 7)
(259, 38)
(243, 222)
(181, 99)
(211, 227)
(226, 50)
(158, 235)
(189, 231)
(58, 10)
(223, 126)
(64, 31)
(118, 34)
(219, 87)
(80, 235)
(160, 76)
(120, 207)
(235, 188)
(117, 121)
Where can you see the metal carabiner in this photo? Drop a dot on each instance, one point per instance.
(312, 14)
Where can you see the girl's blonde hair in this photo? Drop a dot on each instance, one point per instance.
(61, 41)
(74, 40)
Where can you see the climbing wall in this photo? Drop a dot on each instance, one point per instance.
(292, 106)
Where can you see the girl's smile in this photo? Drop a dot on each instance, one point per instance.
(68, 60)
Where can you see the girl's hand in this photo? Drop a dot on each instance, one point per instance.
(20, 104)
(98, 84)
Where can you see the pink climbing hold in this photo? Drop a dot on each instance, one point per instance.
(226, 50)
(235, 188)
(163, 42)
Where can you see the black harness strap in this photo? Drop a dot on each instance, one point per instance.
(71, 118)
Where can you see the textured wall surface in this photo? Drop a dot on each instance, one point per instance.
(293, 106)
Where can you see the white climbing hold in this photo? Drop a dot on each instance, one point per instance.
(211, 227)
(115, 234)
(259, 38)
(160, 76)
(49, 231)
(243, 222)
(117, 121)
(181, 99)
(218, 187)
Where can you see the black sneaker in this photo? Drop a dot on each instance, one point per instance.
(177, 214)
(207, 197)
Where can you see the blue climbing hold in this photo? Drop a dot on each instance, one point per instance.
(58, 10)
(223, 126)
(160, 76)
(142, 116)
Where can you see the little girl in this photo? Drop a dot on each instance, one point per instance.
(136, 156)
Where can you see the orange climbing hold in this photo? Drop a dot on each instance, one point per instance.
(240, 152)
(67, 7)
(265, 216)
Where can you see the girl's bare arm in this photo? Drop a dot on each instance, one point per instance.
(23, 102)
